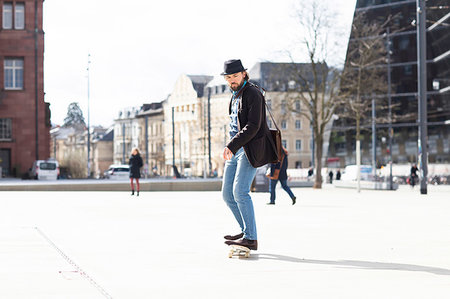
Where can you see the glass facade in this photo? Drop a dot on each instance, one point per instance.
(402, 65)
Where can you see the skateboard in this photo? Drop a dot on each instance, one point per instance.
(237, 250)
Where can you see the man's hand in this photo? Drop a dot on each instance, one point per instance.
(227, 154)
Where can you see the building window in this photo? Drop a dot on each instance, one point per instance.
(407, 70)
(13, 73)
(5, 129)
(298, 124)
(7, 15)
(297, 106)
(403, 42)
(19, 16)
(298, 164)
(283, 107)
(283, 124)
(284, 143)
(291, 84)
(298, 145)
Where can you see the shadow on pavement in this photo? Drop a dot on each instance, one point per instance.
(353, 264)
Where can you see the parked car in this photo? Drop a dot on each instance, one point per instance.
(44, 170)
(118, 172)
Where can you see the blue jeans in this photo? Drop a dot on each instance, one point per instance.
(237, 179)
(273, 184)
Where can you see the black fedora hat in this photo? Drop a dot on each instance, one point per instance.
(232, 66)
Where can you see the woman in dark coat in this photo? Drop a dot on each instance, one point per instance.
(135, 169)
(278, 173)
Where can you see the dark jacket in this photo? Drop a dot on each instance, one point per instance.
(254, 134)
(282, 166)
(135, 166)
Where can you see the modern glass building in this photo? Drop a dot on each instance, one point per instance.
(401, 64)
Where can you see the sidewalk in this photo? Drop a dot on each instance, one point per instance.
(154, 184)
(334, 243)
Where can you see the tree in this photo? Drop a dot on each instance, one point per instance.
(75, 162)
(74, 116)
(364, 76)
(315, 86)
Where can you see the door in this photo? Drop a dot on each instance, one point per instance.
(5, 161)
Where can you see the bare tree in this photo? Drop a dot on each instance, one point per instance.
(315, 84)
(75, 162)
(364, 76)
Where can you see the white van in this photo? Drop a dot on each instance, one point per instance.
(44, 170)
(118, 172)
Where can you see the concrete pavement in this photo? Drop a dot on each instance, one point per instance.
(335, 243)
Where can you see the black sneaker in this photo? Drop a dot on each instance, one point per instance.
(233, 237)
(250, 244)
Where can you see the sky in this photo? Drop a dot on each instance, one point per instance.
(138, 49)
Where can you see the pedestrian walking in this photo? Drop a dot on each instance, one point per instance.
(338, 175)
(413, 177)
(278, 173)
(330, 175)
(250, 146)
(135, 163)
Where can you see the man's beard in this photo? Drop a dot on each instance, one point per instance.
(236, 87)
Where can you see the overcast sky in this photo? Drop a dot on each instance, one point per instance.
(139, 48)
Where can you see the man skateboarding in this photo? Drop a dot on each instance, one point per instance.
(250, 146)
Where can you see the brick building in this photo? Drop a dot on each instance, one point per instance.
(24, 116)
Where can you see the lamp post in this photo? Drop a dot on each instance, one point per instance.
(390, 132)
(88, 124)
(146, 146)
(173, 140)
(313, 147)
(374, 147)
(422, 93)
(123, 142)
(209, 131)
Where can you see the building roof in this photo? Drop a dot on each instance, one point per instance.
(62, 132)
(199, 82)
(155, 108)
(109, 135)
(127, 113)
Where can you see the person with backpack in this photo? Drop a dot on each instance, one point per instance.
(135, 163)
(278, 173)
(250, 146)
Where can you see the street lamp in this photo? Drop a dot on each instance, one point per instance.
(390, 131)
(89, 123)
(422, 93)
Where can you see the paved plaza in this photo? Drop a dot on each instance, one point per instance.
(334, 243)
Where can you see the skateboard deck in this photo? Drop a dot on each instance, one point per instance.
(237, 250)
